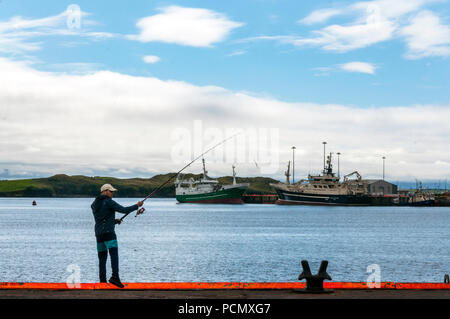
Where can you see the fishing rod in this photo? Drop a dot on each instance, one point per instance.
(142, 209)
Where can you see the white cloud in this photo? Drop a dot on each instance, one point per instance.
(79, 68)
(18, 35)
(321, 15)
(372, 26)
(362, 67)
(372, 29)
(345, 38)
(387, 8)
(19, 23)
(358, 67)
(323, 71)
(371, 22)
(151, 59)
(426, 36)
(185, 26)
(391, 9)
(238, 52)
(106, 121)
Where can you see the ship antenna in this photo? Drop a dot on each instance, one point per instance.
(234, 175)
(324, 167)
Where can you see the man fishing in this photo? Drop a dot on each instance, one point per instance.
(104, 209)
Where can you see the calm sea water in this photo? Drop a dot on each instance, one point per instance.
(190, 242)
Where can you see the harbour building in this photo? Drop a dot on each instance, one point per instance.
(380, 187)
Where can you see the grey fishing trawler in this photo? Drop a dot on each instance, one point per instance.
(325, 189)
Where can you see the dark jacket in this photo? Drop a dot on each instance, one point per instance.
(104, 209)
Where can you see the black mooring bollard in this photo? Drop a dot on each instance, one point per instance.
(314, 283)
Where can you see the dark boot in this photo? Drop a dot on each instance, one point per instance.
(116, 281)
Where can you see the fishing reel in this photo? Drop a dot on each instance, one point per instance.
(140, 211)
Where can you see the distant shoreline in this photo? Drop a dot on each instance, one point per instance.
(79, 186)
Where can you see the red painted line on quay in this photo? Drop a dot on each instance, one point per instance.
(217, 285)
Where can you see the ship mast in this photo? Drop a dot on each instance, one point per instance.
(234, 175)
(287, 173)
(204, 169)
(329, 169)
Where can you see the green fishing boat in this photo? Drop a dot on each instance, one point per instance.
(208, 190)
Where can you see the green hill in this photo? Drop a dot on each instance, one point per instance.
(83, 186)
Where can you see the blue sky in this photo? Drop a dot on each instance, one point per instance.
(282, 71)
(372, 78)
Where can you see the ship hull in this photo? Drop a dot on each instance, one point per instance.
(428, 202)
(295, 198)
(224, 196)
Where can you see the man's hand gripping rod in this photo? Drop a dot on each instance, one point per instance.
(142, 209)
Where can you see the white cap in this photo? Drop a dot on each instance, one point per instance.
(107, 187)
